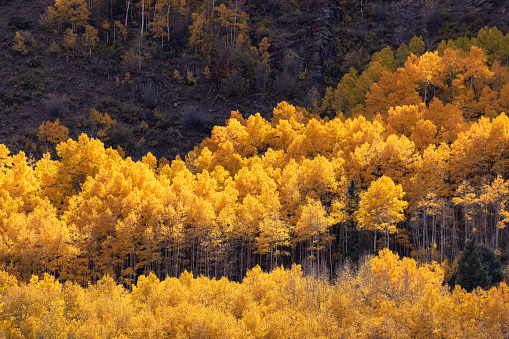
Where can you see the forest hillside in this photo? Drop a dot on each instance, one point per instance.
(408, 153)
(167, 71)
(267, 184)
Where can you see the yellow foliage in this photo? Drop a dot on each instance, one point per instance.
(21, 39)
(381, 207)
(52, 132)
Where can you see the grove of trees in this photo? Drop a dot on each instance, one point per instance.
(407, 157)
(385, 296)
(297, 189)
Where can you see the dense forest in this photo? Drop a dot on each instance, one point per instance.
(127, 208)
(385, 297)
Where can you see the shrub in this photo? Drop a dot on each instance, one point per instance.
(34, 63)
(129, 112)
(132, 61)
(56, 105)
(97, 66)
(19, 22)
(235, 84)
(149, 95)
(192, 118)
(10, 99)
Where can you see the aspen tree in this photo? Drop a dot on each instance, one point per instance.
(381, 208)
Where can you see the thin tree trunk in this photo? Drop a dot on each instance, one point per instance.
(127, 12)
(142, 16)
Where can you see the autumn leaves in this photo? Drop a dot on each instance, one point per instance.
(386, 296)
(381, 208)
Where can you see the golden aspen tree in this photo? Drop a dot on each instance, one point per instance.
(316, 141)
(123, 196)
(225, 147)
(424, 134)
(253, 181)
(74, 12)
(319, 179)
(403, 119)
(286, 133)
(18, 181)
(52, 133)
(122, 30)
(182, 189)
(381, 208)
(261, 136)
(90, 38)
(202, 222)
(357, 131)
(274, 235)
(497, 143)
(232, 22)
(469, 159)
(273, 162)
(224, 203)
(160, 20)
(487, 104)
(394, 157)
(393, 89)
(19, 44)
(439, 114)
(467, 198)
(197, 34)
(223, 16)
(500, 76)
(78, 160)
(18, 197)
(453, 67)
(250, 212)
(335, 132)
(70, 40)
(285, 111)
(417, 45)
(312, 229)
(476, 70)
(433, 170)
(363, 162)
(40, 242)
(100, 123)
(26, 308)
(263, 51)
(429, 65)
(288, 188)
(214, 238)
(492, 200)
(504, 98)
(398, 158)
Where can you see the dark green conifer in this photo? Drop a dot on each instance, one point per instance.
(478, 266)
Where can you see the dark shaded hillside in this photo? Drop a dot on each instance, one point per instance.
(169, 115)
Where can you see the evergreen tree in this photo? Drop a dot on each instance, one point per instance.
(491, 263)
(478, 266)
(471, 272)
